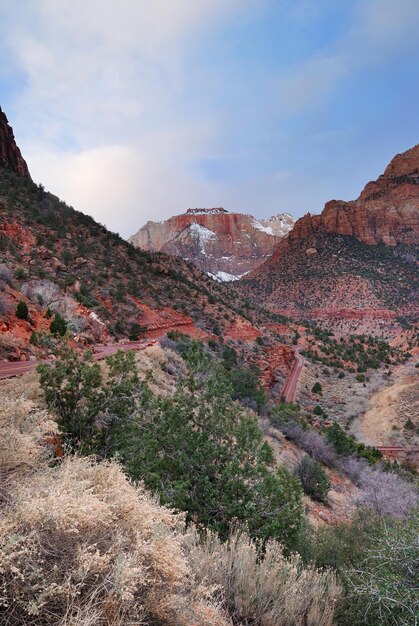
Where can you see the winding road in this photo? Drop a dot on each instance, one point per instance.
(290, 386)
(8, 369)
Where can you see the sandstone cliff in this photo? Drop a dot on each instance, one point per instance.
(10, 156)
(387, 211)
(331, 267)
(225, 245)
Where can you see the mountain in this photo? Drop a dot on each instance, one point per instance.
(224, 245)
(387, 211)
(356, 260)
(10, 155)
(54, 258)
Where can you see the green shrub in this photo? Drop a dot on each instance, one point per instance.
(201, 451)
(317, 388)
(137, 331)
(285, 413)
(58, 326)
(20, 273)
(313, 478)
(342, 443)
(22, 310)
(246, 386)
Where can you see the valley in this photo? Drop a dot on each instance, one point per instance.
(216, 388)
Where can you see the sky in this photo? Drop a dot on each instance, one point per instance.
(140, 109)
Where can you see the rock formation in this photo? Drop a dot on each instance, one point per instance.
(10, 156)
(387, 211)
(225, 245)
(331, 267)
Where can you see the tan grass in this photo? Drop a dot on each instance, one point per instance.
(165, 367)
(268, 591)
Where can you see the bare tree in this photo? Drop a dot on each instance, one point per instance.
(6, 275)
(45, 292)
(386, 493)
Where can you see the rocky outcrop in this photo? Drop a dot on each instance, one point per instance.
(225, 245)
(387, 211)
(10, 155)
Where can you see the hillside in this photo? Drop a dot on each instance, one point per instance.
(46, 246)
(222, 244)
(356, 260)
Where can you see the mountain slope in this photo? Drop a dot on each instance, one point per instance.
(355, 258)
(222, 244)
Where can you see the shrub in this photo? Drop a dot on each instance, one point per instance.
(6, 274)
(137, 331)
(201, 451)
(20, 273)
(264, 589)
(317, 388)
(58, 326)
(386, 493)
(45, 292)
(361, 378)
(205, 454)
(246, 386)
(75, 390)
(383, 586)
(285, 412)
(22, 310)
(342, 443)
(4, 307)
(81, 545)
(313, 479)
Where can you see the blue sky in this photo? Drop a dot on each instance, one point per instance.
(140, 109)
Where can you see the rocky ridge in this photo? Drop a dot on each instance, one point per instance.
(356, 260)
(10, 155)
(224, 245)
(387, 210)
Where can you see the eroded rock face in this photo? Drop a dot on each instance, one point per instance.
(10, 155)
(387, 211)
(225, 245)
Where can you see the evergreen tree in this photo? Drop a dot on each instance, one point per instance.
(22, 310)
(58, 325)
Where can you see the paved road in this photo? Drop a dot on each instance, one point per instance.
(17, 368)
(290, 386)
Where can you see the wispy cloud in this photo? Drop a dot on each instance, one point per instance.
(117, 103)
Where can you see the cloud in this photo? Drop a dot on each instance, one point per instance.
(103, 107)
(115, 108)
(380, 30)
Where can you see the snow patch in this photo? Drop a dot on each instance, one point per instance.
(225, 277)
(201, 234)
(265, 229)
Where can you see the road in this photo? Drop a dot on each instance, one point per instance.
(290, 386)
(10, 369)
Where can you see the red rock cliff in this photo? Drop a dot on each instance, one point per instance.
(226, 245)
(387, 211)
(10, 155)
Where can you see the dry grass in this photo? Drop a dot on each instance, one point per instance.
(23, 424)
(165, 366)
(268, 591)
(80, 545)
